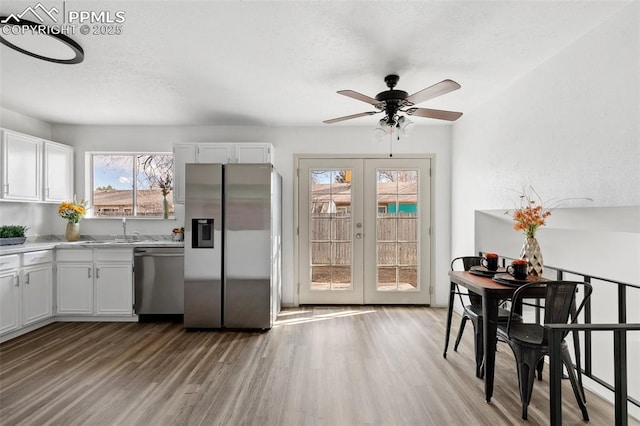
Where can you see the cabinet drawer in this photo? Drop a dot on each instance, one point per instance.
(81, 255)
(9, 262)
(114, 255)
(36, 257)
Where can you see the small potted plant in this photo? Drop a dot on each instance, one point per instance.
(12, 234)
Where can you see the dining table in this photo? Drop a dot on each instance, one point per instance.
(492, 293)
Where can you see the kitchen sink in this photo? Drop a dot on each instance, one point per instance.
(98, 242)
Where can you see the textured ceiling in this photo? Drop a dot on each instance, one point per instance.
(281, 63)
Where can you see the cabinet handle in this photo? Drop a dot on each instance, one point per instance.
(88, 272)
(16, 280)
(97, 272)
(28, 278)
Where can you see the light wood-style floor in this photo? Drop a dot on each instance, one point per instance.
(318, 366)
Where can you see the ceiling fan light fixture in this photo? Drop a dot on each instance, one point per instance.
(378, 133)
(406, 125)
(393, 101)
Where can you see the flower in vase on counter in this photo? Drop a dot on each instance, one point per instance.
(178, 234)
(73, 211)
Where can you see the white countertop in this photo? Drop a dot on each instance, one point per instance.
(48, 245)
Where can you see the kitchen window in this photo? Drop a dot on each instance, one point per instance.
(131, 184)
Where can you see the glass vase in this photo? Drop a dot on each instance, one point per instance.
(72, 233)
(165, 207)
(531, 253)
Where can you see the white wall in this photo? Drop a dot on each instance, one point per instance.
(287, 142)
(22, 123)
(569, 128)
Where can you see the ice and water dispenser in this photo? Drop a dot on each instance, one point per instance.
(202, 233)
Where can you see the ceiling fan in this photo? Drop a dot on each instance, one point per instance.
(393, 101)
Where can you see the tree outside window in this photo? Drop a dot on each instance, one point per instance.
(138, 185)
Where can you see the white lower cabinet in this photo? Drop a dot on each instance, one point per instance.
(96, 282)
(37, 293)
(9, 301)
(75, 288)
(114, 288)
(26, 291)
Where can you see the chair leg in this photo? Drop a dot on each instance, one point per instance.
(578, 391)
(459, 336)
(478, 344)
(539, 368)
(526, 363)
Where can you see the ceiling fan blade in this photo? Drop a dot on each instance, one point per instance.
(349, 117)
(434, 113)
(438, 89)
(360, 97)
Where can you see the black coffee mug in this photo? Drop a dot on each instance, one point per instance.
(518, 270)
(490, 262)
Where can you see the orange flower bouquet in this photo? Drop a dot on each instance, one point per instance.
(530, 215)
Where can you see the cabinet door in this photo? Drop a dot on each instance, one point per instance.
(58, 172)
(114, 288)
(182, 154)
(37, 293)
(21, 167)
(9, 301)
(253, 153)
(215, 153)
(75, 288)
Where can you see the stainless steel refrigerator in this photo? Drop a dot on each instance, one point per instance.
(232, 255)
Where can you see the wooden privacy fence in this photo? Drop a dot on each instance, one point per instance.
(397, 236)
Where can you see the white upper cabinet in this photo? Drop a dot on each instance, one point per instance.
(241, 152)
(34, 169)
(215, 153)
(253, 153)
(58, 172)
(21, 166)
(183, 154)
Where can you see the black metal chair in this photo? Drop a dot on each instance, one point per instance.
(530, 341)
(472, 310)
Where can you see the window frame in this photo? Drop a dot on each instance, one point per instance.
(89, 169)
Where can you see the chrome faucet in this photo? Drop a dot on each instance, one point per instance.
(124, 228)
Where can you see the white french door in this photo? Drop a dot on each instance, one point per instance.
(364, 231)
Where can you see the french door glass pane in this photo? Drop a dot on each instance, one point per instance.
(397, 230)
(330, 229)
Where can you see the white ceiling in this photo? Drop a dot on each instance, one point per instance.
(280, 63)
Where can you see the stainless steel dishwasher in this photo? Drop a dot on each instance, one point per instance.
(159, 280)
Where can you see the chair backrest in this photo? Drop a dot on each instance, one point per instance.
(559, 299)
(466, 262)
